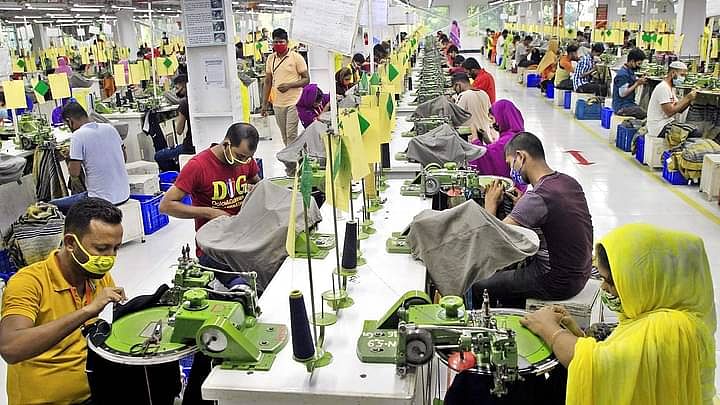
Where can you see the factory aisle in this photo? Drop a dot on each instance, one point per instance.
(618, 190)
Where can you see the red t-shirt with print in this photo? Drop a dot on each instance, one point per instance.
(212, 183)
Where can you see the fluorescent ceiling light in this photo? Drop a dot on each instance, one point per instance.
(28, 16)
(44, 21)
(30, 7)
(85, 5)
(85, 10)
(11, 8)
(64, 21)
(122, 7)
(53, 15)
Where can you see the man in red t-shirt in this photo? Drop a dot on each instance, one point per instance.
(482, 79)
(217, 179)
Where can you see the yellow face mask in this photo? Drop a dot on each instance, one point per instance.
(97, 266)
(231, 159)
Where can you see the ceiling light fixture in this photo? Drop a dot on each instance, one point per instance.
(32, 17)
(85, 10)
(31, 7)
(11, 8)
(122, 7)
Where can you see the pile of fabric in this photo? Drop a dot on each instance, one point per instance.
(442, 145)
(50, 182)
(35, 234)
(442, 107)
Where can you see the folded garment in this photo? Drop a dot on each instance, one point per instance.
(465, 244)
(441, 106)
(442, 145)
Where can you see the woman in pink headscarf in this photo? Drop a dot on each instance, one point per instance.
(63, 66)
(509, 122)
(455, 33)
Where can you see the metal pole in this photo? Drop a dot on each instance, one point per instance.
(370, 38)
(152, 49)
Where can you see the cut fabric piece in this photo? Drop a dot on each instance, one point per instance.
(465, 244)
(35, 234)
(254, 239)
(310, 140)
(442, 145)
(441, 106)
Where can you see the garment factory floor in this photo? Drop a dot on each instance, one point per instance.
(618, 191)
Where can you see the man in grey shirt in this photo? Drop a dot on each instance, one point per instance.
(99, 151)
(522, 51)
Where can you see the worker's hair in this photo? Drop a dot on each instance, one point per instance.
(359, 58)
(279, 33)
(460, 78)
(84, 211)
(529, 38)
(379, 50)
(453, 48)
(73, 110)
(526, 142)
(2, 98)
(598, 47)
(636, 55)
(603, 261)
(458, 60)
(343, 73)
(471, 63)
(239, 131)
(571, 48)
(180, 79)
(505, 32)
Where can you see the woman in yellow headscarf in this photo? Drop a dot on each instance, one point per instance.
(663, 350)
(548, 63)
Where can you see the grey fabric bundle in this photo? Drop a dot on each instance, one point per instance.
(310, 140)
(351, 100)
(35, 234)
(466, 244)
(79, 81)
(11, 168)
(441, 106)
(442, 145)
(254, 239)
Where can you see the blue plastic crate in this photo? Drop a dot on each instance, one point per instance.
(624, 138)
(585, 111)
(168, 177)
(153, 219)
(673, 177)
(165, 186)
(187, 200)
(640, 150)
(605, 117)
(550, 90)
(568, 100)
(261, 173)
(533, 80)
(7, 266)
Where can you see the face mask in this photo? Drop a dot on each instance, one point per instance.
(678, 80)
(96, 266)
(515, 174)
(611, 302)
(231, 159)
(280, 48)
(4, 114)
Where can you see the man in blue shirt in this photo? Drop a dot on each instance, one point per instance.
(583, 80)
(624, 86)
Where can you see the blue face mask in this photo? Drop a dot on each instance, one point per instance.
(4, 114)
(677, 81)
(515, 174)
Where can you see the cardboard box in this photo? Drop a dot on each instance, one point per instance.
(144, 184)
(142, 167)
(710, 177)
(579, 306)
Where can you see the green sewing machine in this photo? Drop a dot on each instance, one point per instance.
(425, 125)
(490, 342)
(33, 130)
(434, 178)
(188, 320)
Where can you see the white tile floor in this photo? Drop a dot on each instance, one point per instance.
(618, 189)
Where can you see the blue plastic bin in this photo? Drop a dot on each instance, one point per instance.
(568, 100)
(606, 117)
(585, 111)
(533, 80)
(673, 177)
(624, 138)
(640, 149)
(168, 177)
(153, 219)
(261, 173)
(550, 90)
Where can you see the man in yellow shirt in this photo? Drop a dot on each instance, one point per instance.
(286, 73)
(46, 304)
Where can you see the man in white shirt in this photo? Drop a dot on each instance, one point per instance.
(99, 151)
(500, 47)
(664, 105)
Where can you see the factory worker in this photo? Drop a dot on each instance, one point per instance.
(46, 304)
(556, 208)
(312, 103)
(625, 84)
(477, 103)
(482, 79)
(663, 350)
(664, 104)
(217, 179)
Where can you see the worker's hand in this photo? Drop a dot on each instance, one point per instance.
(104, 297)
(493, 195)
(515, 195)
(282, 88)
(542, 322)
(692, 95)
(264, 111)
(642, 80)
(212, 213)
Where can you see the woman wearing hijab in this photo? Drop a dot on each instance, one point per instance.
(477, 103)
(509, 123)
(343, 81)
(63, 66)
(663, 350)
(549, 63)
(455, 33)
(312, 103)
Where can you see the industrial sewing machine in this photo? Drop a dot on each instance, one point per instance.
(189, 320)
(490, 342)
(33, 130)
(435, 178)
(425, 125)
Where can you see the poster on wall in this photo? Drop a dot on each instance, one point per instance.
(339, 19)
(204, 23)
